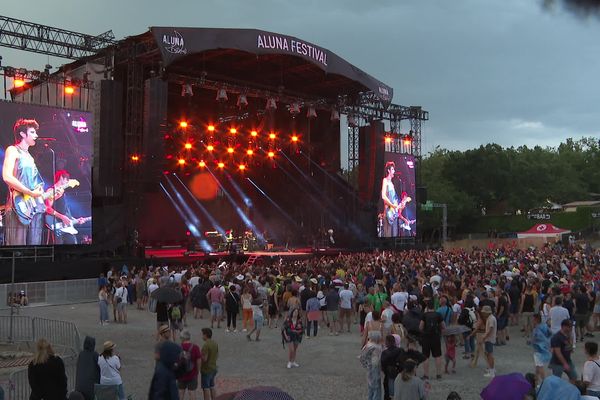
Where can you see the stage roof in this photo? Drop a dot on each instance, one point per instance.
(265, 59)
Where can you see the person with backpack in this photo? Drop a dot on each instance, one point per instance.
(232, 307)
(432, 326)
(468, 318)
(189, 367)
(175, 319)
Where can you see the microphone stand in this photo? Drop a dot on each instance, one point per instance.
(53, 230)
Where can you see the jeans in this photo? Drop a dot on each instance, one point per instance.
(374, 392)
(103, 311)
(593, 393)
(469, 342)
(231, 319)
(315, 329)
(557, 370)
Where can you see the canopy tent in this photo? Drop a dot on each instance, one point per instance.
(543, 231)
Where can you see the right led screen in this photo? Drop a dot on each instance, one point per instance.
(397, 210)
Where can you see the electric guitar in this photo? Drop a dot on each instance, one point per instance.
(393, 213)
(59, 227)
(27, 206)
(406, 225)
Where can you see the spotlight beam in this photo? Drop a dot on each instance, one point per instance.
(203, 243)
(204, 211)
(277, 206)
(191, 215)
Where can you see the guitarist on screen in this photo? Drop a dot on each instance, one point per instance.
(392, 207)
(23, 179)
(58, 213)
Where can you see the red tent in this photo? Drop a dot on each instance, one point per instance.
(543, 231)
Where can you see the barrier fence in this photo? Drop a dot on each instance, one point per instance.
(53, 292)
(63, 335)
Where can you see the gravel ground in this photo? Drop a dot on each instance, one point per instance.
(329, 367)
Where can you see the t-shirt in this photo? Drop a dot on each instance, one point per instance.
(591, 374)
(346, 296)
(557, 315)
(560, 341)
(491, 326)
(377, 300)
(215, 295)
(446, 313)
(399, 300)
(414, 388)
(109, 370)
(195, 356)
(332, 300)
(194, 281)
(432, 323)
(210, 350)
(582, 303)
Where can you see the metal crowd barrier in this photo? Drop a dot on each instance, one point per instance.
(53, 292)
(63, 335)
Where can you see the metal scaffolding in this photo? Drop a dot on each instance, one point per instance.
(42, 39)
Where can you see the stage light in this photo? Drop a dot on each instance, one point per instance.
(188, 146)
(271, 104)
(135, 158)
(295, 108)
(211, 128)
(271, 154)
(250, 152)
(233, 131)
(210, 147)
(69, 89)
(335, 115)
(186, 90)
(272, 136)
(181, 161)
(294, 138)
(254, 134)
(242, 167)
(407, 141)
(18, 82)
(183, 124)
(388, 139)
(221, 165)
(221, 95)
(230, 150)
(202, 164)
(311, 112)
(242, 101)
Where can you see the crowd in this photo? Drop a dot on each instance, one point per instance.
(410, 307)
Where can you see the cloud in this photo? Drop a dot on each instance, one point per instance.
(526, 125)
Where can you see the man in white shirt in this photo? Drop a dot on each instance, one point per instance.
(194, 280)
(346, 299)
(399, 298)
(121, 301)
(557, 314)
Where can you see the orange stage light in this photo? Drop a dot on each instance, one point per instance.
(388, 139)
(250, 152)
(181, 161)
(69, 89)
(211, 128)
(272, 135)
(135, 158)
(407, 142)
(188, 146)
(18, 82)
(294, 138)
(230, 150)
(210, 147)
(253, 133)
(242, 167)
(232, 130)
(271, 154)
(220, 165)
(202, 164)
(183, 124)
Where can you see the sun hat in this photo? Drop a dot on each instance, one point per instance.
(108, 345)
(486, 310)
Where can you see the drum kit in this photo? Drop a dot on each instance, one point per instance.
(246, 242)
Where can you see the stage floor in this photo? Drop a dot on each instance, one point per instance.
(181, 253)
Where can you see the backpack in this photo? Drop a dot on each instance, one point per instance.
(185, 363)
(175, 313)
(465, 318)
(432, 323)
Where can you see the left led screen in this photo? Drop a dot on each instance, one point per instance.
(45, 193)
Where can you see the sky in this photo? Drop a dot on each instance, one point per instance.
(510, 72)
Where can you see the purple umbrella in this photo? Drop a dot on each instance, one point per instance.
(262, 393)
(506, 387)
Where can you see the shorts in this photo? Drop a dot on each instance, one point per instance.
(345, 312)
(189, 385)
(514, 308)
(488, 347)
(581, 320)
(538, 360)
(332, 316)
(258, 322)
(207, 380)
(431, 346)
(216, 309)
(502, 323)
(121, 306)
(557, 370)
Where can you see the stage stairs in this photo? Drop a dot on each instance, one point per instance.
(252, 259)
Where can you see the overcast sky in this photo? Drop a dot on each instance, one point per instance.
(503, 71)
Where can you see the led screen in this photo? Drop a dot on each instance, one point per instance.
(46, 158)
(397, 211)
